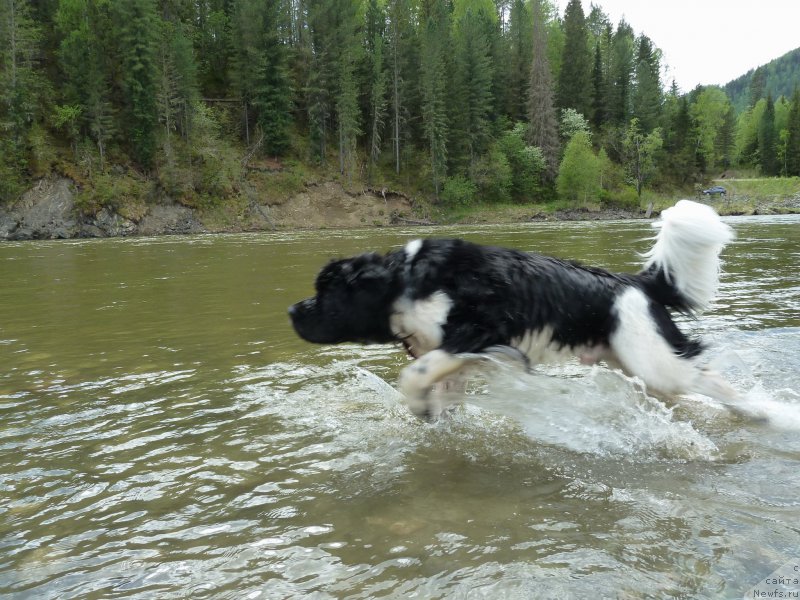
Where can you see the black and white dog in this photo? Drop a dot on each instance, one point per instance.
(447, 299)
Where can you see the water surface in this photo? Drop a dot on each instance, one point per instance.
(163, 433)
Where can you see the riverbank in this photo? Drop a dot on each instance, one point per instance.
(51, 210)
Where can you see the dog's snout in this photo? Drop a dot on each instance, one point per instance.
(292, 310)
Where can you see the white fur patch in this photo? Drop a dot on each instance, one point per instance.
(539, 347)
(420, 322)
(642, 350)
(411, 249)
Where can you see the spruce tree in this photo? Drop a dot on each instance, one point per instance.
(647, 96)
(472, 83)
(542, 120)
(518, 63)
(378, 82)
(136, 27)
(22, 90)
(433, 79)
(620, 75)
(598, 111)
(574, 80)
(793, 136)
(260, 72)
(767, 140)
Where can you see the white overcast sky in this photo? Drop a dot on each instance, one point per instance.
(709, 41)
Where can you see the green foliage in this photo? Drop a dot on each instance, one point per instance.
(647, 96)
(458, 191)
(136, 25)
(579, 176)
(778, 77)
(574, 80)
(402, 92)
(573, 122)
(767, 140)
(640, 153)
(527, 164)
(708, 113)
(792, 151)
(260, 72)
(493, 176)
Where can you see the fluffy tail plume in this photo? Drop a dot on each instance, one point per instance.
(686, 250)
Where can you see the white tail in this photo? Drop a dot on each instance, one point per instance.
(686, 249)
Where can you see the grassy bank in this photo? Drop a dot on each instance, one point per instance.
(745, 197)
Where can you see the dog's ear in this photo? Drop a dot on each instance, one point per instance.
(367, 269)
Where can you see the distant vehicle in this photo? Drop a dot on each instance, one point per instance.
(713, 191)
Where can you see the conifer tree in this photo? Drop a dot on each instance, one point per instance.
(647, 96)
(433, 64)
(378, 82)
(574, 80)
(620, 74)
(542, 120)
(399, 44)
(472, 82)
(135, 23)
(793, 136)
(598, 110)
(22, 89)
(758, 84)
(260, 72)
(518, 63)
(767, 140)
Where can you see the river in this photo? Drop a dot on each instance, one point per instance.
(164, 434)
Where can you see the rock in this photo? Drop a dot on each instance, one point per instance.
(46, 211)
(171, 219)
(112, 224)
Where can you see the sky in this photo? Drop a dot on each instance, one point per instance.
(707, 42)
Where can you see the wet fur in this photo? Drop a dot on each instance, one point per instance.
(446, 299)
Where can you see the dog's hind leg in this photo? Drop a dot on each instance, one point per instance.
(417, 379)
(642, 351)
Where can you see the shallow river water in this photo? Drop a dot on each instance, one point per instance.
(164, 434)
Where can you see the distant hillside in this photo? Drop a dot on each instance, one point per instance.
(779, 77)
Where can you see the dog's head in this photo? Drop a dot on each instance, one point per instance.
(352, 303)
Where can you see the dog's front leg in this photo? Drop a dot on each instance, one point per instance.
(417, 379)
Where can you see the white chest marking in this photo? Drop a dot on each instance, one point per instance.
(421, 322)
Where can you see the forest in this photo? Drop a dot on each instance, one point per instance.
(463, 101)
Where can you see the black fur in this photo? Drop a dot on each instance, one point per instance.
(497, 295)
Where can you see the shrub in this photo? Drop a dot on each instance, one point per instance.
(458, 191)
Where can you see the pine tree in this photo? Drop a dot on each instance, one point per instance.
(598, 111)
(792, 159)
(400, 34)
(542, 121)
(518, 63)
(767, 140)
(574, 81)
(647, 96)
(260, 72)
(82, 54)
(725, 143)
(680, 144)
(214, 45)
(620, 75)
(433, 65)
(378, 81)
(758, 84)
(22, 89)
(136, 30)
(472, 83)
